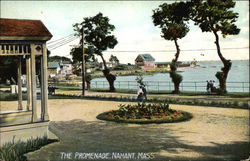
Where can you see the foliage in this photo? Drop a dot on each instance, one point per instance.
(176, 78)
(98, 34)
(146, 113)
(71, 77)
(120, 67)
(128, 68)
(216, 16)
(114, 60)
(15, 151)
(139, 80)
(143, 110)
(7, 96)
(77, 54)
(58, 59)
(172, 19)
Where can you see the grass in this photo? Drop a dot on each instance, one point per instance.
(183, 93)
(231, 100)
(235, 103)
(15, 151)
(68, 88)
(131, 91)
(7, 96)
(4, 86)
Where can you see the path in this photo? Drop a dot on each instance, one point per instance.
(213, 133)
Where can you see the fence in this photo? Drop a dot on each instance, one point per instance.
(169, 86)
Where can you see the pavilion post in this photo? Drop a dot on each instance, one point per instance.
(33, 83)
(44, 111)
(42, 88)
(28, 83)
(19, 83)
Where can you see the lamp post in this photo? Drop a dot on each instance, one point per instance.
(83, 64)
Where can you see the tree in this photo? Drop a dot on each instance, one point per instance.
(97, 32)
(172, 19)
(114, 60)
(76, 53)
(58, 58)
(215, 16)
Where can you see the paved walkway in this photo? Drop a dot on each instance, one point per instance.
(213, 134)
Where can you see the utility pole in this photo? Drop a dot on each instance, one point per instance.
(83, 64)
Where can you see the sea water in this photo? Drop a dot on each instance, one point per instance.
(194, 78)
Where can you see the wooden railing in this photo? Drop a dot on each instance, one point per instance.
(13, 49)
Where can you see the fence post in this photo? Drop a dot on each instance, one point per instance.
(102, 84)
(158, 86)
(119, 85)
(169, 86)
(243, 86)
(195, 86)
(128, 84)
(96, 84)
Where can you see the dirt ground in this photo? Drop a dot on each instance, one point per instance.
(213, 133)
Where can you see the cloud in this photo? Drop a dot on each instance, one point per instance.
(134, 28)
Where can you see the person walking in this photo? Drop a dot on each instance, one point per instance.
(144, 93)
(208, 87)
(141, 95)
(211, 86)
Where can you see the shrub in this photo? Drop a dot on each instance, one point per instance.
(145, 114)
(71, 77)
(15, 151)
(143, 110)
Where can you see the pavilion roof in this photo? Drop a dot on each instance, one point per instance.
(31, 29)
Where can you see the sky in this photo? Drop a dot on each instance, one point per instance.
(135, 31)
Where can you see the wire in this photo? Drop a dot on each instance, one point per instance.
(60, 39)
(62, 43)
(120, 51)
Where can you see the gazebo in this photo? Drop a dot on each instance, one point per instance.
(26, 41)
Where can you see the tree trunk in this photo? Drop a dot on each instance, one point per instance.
(176, 78)
(177, 51)
(88, 85)
(110, 77)
(222, 76)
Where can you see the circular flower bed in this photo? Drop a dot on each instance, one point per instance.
(144, 114)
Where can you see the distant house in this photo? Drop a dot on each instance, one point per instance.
(92, 66)
(65, 68)
(108, 64)
(145, 61)
(53, 69)
(59, 68)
